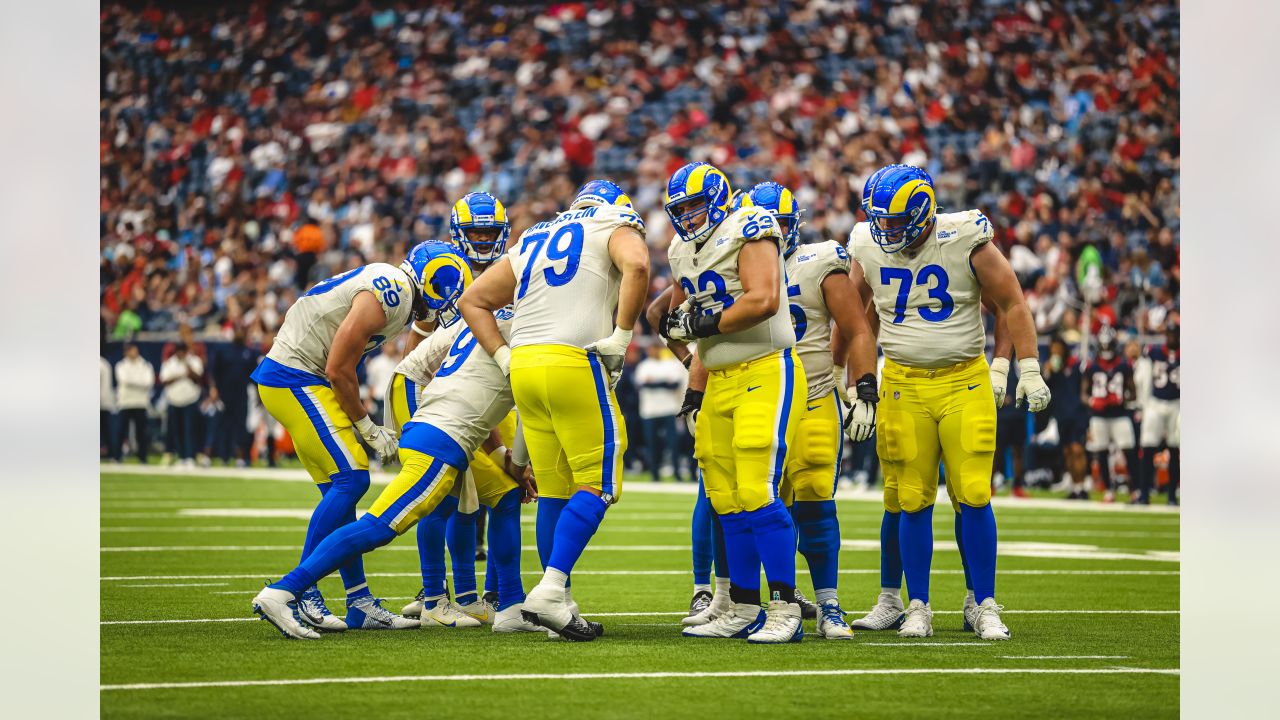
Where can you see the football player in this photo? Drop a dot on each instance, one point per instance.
(468, 396)
(568, 277)
(729, 269)
(307, 382)
(479, 228)
(819, 291)
(925, 273)
(1160, 417)
(1107, 386)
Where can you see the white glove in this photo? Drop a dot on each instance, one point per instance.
(1031, 386)
(502, 356)
(382, 440)
(612, 351)
(842, 382)
(860, 421)
(1000, 379)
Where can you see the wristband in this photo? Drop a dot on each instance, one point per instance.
(502, 356)
(365, 426)
(705, 325)
(866, 389)
(499, 456)
(419, 330)
(1028, 366)
(1001, 365)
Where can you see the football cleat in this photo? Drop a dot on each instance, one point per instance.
(414, 609)
(917, 621)
(831, 623)
(545, 605)
(886, 615)
(783, 624)
(970, 604)
(986, 621)
(367, 613)
(808, 610)
(511, 621)
(738, 621)
(701, 601)
(596, 627)
(439, 612)
(491, 597)
(276, 607)
(313, 612)
(720, 603)
(480, 610)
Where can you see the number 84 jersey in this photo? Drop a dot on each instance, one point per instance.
(928, 304)
(566, 283)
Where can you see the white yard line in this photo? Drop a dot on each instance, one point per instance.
(927, 644)
(399, 548)
(674, 675)
(1063, 657)
(169, 585)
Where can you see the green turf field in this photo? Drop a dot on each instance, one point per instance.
(1091, 598)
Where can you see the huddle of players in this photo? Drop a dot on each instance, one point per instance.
(554, 317)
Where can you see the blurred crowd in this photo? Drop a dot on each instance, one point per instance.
(250, 149)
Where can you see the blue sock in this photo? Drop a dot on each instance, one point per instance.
(431, 532)
(980, 549)
(717, 541)
(578, 522)
(890, 554)
(490, 569)
(775, 538)
(337, 507)
(461, 535)
(339, 547)
(916, 539)
(741, 553)
(703, 545)
(819, 531)
(549, 510)
(964, 561)
(504, 550)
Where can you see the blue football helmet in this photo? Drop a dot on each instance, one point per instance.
(439, 275)
(782, 203)
(479, 211)
(600, 192)
(900, 203)
(701, 181)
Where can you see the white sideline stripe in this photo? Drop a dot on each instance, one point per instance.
(928, 644)
(1063, 657)
(155, 585)
(849, 571)
(379, 477)
(400, 548)
(650, 676)
(680, 613)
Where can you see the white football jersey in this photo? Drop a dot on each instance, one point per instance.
(309, 326)
(469, 395)
(421, 363)
(566, 284)
(808, 266)
(709, 277)
(928, 304)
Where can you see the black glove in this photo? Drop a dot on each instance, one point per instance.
(685, 326)
(866, 389)
(690, 408)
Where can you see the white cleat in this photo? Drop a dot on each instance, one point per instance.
(276, 607)
(443, 613)
(886, 615)
(719, 605)
(739, 621)
(367, 613)
(970, 604)
(414, 609)
(986, 621)
(313, 612)
(783, 624)
(480, 610)
(550, 607)
(596, 628)
(831, 623)
(511, 621)
(917, 621)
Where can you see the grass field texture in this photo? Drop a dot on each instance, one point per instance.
(1091, 597)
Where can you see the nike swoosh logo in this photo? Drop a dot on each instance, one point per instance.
(754, 387)
(810, 408)
(974, 386)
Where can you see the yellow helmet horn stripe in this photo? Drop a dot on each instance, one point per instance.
(438, 262)
(623, 200)
(697, 179)
(786, 202)
(464, 212)
(900, 199)
(499, 212)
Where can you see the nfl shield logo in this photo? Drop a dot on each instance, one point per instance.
(896, 394)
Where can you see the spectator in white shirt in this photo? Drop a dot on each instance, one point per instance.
(377, 375)
(135, 379)
(660, 379)
(181, 375)
(106, 408)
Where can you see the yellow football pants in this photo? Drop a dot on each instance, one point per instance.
(745, 430)
(323, 435)
(813, 465)
(572, 424)
(417, 489)
(402, 401)
(926, 414)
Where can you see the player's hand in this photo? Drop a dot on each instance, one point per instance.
(503, 358)
(612, 351)
(860, 421)
(1031, 387)
(530, 485)
(1000, 379)
(842, 383)
(382, 440)
(684, 326)
(690, 408)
